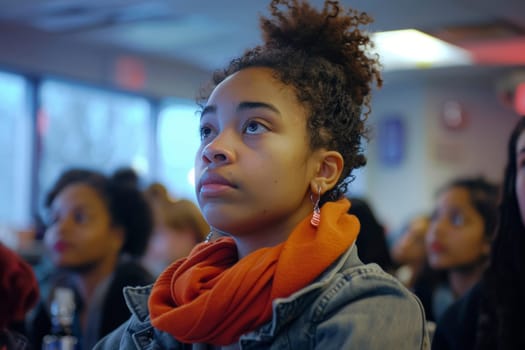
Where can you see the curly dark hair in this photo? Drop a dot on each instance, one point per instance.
(323, 56)
(126, 204)
(501, 320)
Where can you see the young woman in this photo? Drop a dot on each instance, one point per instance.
(459, 237)
(280, 135)
(96, 226)
(491, 315)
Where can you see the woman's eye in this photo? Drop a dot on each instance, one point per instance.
(457, 219)
(205, 131)
(254, 127)
(80, 217)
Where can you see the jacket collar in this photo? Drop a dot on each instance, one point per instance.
(137, 301)
(285, 310)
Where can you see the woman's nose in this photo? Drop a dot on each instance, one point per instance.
(218, 151)
(437, 227)
(62, 226)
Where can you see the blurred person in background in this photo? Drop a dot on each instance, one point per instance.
(97, 228)
(409, 251)
(18, 294)
(179, 226)
(371, 242)
(491, 315)
(459, 237)
(156, 192)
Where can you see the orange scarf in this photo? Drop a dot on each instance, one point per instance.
(212, 297)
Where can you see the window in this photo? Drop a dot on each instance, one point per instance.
(15, 151)
(178, 141)
(85, 127)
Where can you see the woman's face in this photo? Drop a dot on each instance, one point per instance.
(456, 234)
(520, 174)
(168, 244)
(254, 165)
(80, 234)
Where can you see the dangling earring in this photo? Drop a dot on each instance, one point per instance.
(316, 216)
(210, 235)
(214, 232)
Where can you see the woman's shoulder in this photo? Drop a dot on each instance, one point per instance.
(371, 281)
(12, 340)
(364, 299)
(367, 287)
(366, 277)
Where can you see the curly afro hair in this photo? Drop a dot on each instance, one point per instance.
(323, 56)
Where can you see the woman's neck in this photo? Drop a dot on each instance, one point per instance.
(269, 234)
(461, 280)
(89, 279)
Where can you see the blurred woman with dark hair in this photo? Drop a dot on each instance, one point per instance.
(491, 315)
(459, 237)
(97, 227)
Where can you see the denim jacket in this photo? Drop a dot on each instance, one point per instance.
(350, 306)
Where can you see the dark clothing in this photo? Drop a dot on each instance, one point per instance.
(372, 243)
(12, 340)
(427, 288)
(113, 311)
(424, 289)
(456, 329)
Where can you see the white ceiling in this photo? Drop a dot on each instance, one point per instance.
(207, 33)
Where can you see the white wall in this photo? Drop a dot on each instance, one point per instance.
(396, 191)
(435, 154)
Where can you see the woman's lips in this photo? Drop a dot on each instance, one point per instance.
(214, 188)
(211, 183)
(436, 247)
(60, 246)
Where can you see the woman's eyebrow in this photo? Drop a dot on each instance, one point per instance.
(243, 106)
(208, 109)
(251, 105)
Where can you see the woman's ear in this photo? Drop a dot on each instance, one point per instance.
(117, 237)
(330, 167)
(487, 245)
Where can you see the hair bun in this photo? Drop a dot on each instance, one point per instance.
(320, 33)
(126, 176)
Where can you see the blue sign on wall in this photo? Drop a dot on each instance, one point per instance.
(391, 141)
